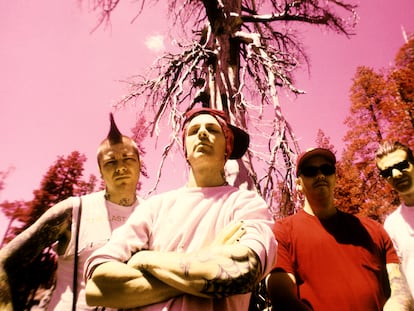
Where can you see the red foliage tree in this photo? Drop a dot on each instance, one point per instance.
(381, 109)
(401, 83)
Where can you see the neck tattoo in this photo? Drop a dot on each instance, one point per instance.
(122, 201)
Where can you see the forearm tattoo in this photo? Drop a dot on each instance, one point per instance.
(5, 295)
(237, 276)
(399, 285)
(17, 275)
(185, 266)
(30, 243)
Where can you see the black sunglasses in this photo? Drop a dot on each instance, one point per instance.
(403, 165)
(312, 171)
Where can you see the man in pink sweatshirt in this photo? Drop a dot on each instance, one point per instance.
(179, 252)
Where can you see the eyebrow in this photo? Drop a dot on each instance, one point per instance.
(206, 124)
(111, 154)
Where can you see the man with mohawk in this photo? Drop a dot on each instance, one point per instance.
(99, 213)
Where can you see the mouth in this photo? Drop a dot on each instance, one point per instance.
(401, 182)
(321, 184)
(202, 145)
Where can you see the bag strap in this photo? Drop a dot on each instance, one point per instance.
(75, 265)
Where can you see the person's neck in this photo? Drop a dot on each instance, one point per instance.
(206, 178)
(408, 199)
(123, 198)
(321, 209)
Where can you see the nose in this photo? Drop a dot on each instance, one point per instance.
(320, 175)
(121, 169)
(202, 132)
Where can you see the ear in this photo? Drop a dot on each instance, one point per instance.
(100, 171)
(299, 184)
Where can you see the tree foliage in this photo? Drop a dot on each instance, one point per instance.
(62, 180)
(239, 56)
(3, 176)
(401, 80)
(381, 109)
(324, 141)
(139, 133)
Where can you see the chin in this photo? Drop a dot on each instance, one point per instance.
(122, 183)
(403, 190)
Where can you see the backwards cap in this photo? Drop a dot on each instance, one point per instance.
(237, 145)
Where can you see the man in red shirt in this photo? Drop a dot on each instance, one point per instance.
(328, 259)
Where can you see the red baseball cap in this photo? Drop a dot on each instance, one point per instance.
(312, 152)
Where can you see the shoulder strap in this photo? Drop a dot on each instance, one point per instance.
(75, 265)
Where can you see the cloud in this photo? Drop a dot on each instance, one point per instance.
(155, 43)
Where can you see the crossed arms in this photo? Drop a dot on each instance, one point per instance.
(221, 269)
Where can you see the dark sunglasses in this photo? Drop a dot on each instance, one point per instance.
(403, 165)
(312, 171)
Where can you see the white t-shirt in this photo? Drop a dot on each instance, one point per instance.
(99, 218)
(400, 227)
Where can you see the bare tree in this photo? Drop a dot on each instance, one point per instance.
(237, 60)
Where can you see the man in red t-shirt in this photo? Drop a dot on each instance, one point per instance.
(328, 259)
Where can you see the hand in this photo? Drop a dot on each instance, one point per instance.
(138, 260)
(231, 234)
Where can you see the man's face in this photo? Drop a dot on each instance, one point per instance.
(205, 139)
(119, 166)
(397, 170)
(316, 184)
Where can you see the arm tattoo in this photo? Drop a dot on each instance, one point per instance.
(30, 243)
(399, 286)
(16, 258)
(238, 276)
(185, 265)
(5, 294)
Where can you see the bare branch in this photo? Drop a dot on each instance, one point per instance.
(238, 59)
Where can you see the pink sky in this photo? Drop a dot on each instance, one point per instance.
(58, 81)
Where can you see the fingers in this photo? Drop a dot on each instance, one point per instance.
(230, 234)
(134, 261)
(232, 229)
(236, 234)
